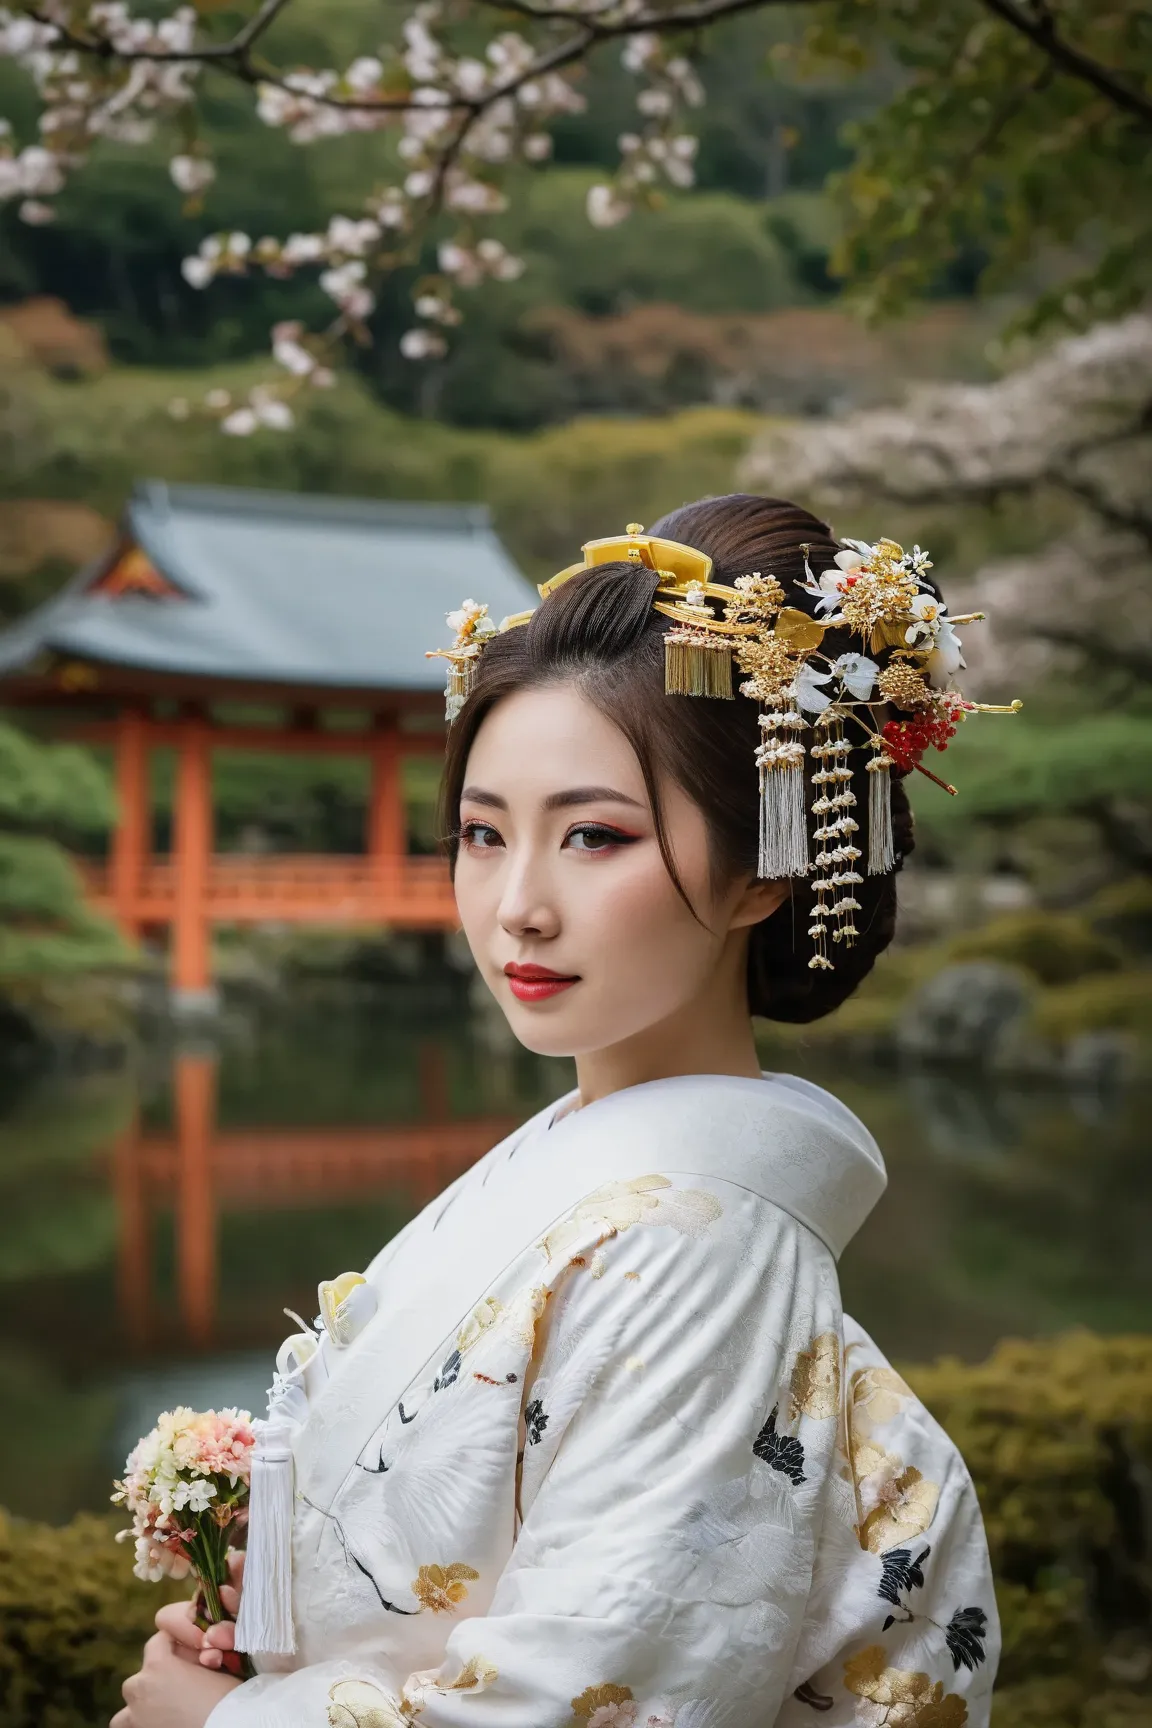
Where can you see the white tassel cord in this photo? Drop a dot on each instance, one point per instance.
(783, 827)
(783, 818)
(264, 1626)
(881, 846)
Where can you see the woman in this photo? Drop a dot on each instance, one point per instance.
(594, 1443)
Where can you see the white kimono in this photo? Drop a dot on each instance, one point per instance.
(596, 1447)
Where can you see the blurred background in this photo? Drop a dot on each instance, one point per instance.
(170, 1182)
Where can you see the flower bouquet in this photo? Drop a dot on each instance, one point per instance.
(186, 1485)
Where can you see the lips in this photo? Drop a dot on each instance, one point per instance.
(536, 983)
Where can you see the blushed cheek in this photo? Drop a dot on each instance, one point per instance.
(646, 941)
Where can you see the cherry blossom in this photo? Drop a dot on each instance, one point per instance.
(461, 112)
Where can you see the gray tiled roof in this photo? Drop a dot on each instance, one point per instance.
(284, 589)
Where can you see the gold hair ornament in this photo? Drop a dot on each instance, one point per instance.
(876, 593)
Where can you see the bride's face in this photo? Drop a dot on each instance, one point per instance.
(567, 905)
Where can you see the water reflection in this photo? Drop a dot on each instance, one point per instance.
(154, 1226)
(202, 1169)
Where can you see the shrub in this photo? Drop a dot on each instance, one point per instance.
(1057, 1435)
(1097, 1004)
(1056, 947)
(72, 1622)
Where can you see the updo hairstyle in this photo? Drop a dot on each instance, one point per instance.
(600, 632)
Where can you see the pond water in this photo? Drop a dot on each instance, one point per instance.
(154, 1224)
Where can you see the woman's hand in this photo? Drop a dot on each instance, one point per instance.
(215, 1648)
(170, 1691)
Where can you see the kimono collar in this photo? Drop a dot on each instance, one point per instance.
(781, 1137)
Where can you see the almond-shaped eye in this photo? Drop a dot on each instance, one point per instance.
(596, 837)
(480, 837)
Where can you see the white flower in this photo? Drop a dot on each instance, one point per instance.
(36, 213)
(191, 174)
(605, 207)
(827, 589)
(466, 613)
(364, 73)
(271, 411)
(241, 423)
(807, 690)
(858, 674)
(852, 561)
(197, 272)
(154, 1562)
(217, 398)
(932, 631)
(654, 103)
(422, 345)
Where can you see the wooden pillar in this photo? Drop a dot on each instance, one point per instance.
(133, 1260)
(387, 838)
(194, 1094)
(192, 835)
(131, 843)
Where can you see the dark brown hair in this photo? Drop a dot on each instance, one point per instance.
(600, 631)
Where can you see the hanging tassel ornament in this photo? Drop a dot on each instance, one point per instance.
(264, 1626)
(834, 888)
(697, 665)
(881, 846)
(783, 821)
(696, 662)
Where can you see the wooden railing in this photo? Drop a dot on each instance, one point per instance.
(302, 889)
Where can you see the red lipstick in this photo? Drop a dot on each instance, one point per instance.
(536, 983)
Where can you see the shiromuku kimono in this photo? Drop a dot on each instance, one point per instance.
(594, 1446)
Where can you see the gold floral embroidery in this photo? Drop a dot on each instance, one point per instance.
(905, 1504)
(440, 1588)
(900, 1697)
(619, 1205)
(605, 1707)
(816, 1379)
(877, 1395)
(484, 1315)
(360, 1704)
(476, 1675)
(525, 1310)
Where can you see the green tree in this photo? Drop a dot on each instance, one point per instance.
(48, 791)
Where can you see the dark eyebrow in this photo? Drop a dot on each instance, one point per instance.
(589, 795)
(555, 800)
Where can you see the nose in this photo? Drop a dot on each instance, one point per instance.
(528, 904)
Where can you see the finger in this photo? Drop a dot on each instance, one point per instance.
(221, 1636)
(158, 1648)
(236, 1559)
(210, 1658)
(230, 1599)
(178, 1620)
(122, 1719)
(130, 1687)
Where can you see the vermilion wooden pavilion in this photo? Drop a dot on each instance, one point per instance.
(314, 612)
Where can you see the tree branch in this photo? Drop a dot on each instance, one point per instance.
(1041, 32)
(234, 57)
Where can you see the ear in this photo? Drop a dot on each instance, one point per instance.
(758, 900)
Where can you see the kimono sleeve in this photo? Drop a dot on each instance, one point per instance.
(679, 1427)
(903, 1609)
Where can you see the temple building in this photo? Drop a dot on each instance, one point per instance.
(233, 619)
